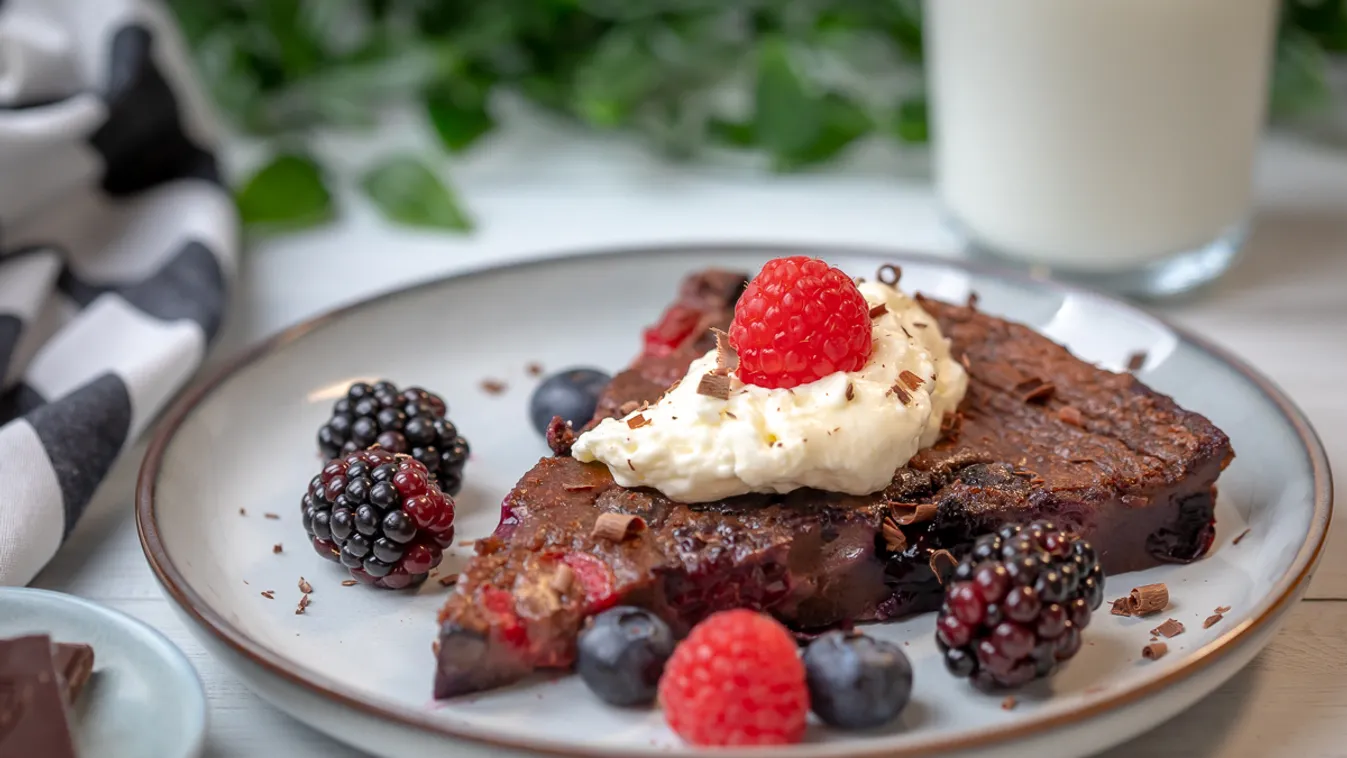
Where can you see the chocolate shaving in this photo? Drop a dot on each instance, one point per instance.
(562, 579)
(1212, 620)
(631, 465)
(1070, 414)
(1148, 599)
(851, 392)
(350, 582)
(448, 580)
(277, 548)
(637, 421)
(1171, 628)
(269, 594)
(911, 380)
(1035, 390)
(901, 393)
(889, 274)
(628, 407)
(730, 415)
(272, 516)
(973, 299)
(493, 386)
(921, 513)
(74, 664)
(534, 369)
(616, 527)
(966, 363)
(242, 512)
(303, 603)
(1009, 703)
(1240, 537)
(879, 310)
(577, 487)
(1222, 609)
(727, 359)
(1136, 360)
(714, 385)
(921, 324)
(894, 539)
(1121, 607)
(304, 586)
(1154, 651)
(938, 554)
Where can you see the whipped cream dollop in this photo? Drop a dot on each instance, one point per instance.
(847, 432)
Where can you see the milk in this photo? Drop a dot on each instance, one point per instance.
(1097, 135)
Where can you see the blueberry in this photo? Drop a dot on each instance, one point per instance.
(571, 394)
(855, 681)
(622, 653)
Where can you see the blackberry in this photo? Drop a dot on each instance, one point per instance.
(1017, 605)
(381, 515)
(410, 421)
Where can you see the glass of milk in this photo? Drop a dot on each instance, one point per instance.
(1107, 141)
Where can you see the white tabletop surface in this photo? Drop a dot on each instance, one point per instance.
(541, 189)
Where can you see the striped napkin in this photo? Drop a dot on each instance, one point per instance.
(117, 241)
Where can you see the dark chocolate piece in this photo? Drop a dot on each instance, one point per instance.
(74, 665)
(34, 719)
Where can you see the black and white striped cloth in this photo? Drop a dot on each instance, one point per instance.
(117, 242)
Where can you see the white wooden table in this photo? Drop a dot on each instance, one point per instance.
(539, 188)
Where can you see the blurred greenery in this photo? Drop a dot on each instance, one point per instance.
(798, 80)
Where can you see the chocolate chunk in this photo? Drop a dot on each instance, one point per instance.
(714, 385)
(1171, 628)
(534, 369)
(851, 392)
(277, 548)
(1136, 360)
(1121, 607)
(34, 719)
(637, 421)
(879, 310)
(616, 527)
(1154, 651)
(493, 386)
(74, 665)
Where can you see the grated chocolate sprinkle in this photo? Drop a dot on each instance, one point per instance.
(1240, 537)
(879, 310)
(272, 516)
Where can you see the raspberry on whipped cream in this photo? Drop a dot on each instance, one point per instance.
(845, 432)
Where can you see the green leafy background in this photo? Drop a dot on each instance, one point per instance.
(798, 80)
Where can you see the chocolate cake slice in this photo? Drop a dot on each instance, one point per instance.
(1040, 434)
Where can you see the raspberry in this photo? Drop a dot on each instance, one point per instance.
(798, 321)
(410, 421)
(673, 329)
(1018, 604)
(736, 680)
(381, 515)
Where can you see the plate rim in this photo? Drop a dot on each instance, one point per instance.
(171, 579)
(199, 708)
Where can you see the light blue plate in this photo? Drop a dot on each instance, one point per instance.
(144, 699)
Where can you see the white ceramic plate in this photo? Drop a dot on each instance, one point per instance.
(144, 698)
(358, 664)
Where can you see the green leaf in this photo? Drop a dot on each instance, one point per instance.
(289, 192)
(911, 124)
(843, 123)
(459, 116)
(732, 133)
(406, 191)
(1299, 75)
(786, 119)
